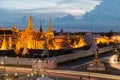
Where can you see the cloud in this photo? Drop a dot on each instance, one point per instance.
(72, 7)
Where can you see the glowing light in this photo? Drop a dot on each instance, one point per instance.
(112, 59)
(1, 62)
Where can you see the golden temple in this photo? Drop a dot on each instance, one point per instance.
(33, 39)
(29, 38)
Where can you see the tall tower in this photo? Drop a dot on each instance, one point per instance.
(30, 25)
(50, 27)
(50, 33)
(4, 43)
(41, 30)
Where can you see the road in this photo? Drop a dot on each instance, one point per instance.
(68, 73)
(70, 64)
(65, 73)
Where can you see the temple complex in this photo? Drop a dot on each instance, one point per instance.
(29, 38)
(35, 39)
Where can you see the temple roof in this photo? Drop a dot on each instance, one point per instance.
(30, 25)
(6, 32)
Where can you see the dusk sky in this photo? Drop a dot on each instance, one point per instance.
(73, 7)
(14, 11)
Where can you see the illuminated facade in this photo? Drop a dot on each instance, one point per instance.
(35, 40)
(4, 44)
(107, 40)
(103, 40)
(115, 38)
(29, 38)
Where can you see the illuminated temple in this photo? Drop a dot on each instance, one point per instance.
(29, 38)
(34, 39)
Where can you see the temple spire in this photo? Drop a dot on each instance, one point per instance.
(41, 30)
(30, 25)
(50, 33)
(50, 27)
(4, 43)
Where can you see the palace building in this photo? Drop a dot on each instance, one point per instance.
(29, 38)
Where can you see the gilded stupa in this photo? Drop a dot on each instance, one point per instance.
(4, 43)
(50, 34)
(28, 34)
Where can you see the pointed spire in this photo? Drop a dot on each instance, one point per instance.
(30, 25)
(41, 30)
(50, 27)
(14, 28)
(4, 43)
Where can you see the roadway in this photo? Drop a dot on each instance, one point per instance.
(65, 74)
(82, 61)
(72, 75)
